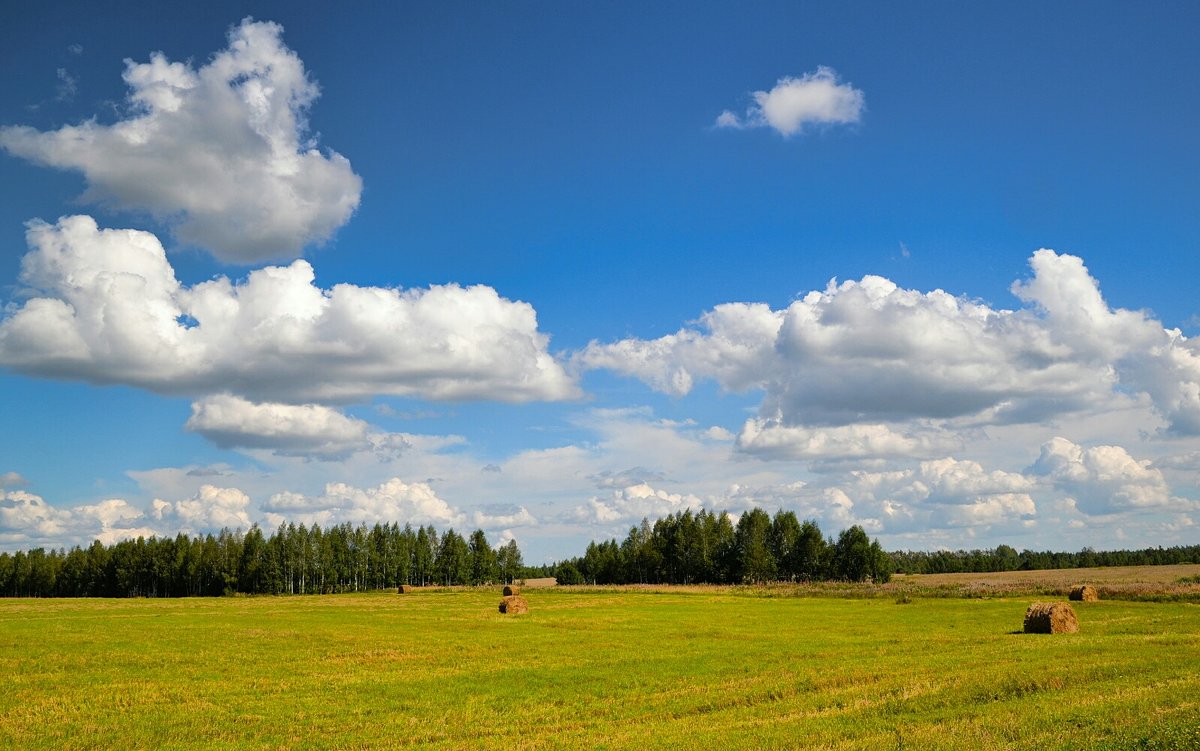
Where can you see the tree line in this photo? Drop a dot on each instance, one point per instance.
(1006, 558)
(292, 560)
(688, 547)
(708, 548)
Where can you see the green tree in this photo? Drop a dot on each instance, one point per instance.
(853, 557)
(453, 563)
(483, 559)
(810, 554)
(566, 573)
(251, 565)
(785, 539)
(509, 561)
(755, 562)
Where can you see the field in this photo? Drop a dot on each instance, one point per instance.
(633, 668)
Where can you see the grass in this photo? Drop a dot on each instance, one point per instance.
(644, 669)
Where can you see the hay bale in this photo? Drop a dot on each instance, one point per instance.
(510, 590)
(1051, 618)
(1084, 593)
(514, 604)
(405, 589)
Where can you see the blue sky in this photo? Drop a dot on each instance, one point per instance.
(574, 293)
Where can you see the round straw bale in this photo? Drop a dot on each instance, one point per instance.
(1084, 593)
(405, 589)
(511, 589)
(1051, 618)
(514, 604)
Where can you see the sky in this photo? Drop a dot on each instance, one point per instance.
(548, 269)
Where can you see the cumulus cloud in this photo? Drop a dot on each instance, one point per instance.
(219, 152)
(773, 440)
(632, 504)
(830, 506)
(394, 500)
(209, 509)
(1103, 479)
(27, 520)
(736, 341)
(111, 521)
(816, 98)
(936, 494)
(308, 430)
(105, 307)
(848, 370)
(27, 517)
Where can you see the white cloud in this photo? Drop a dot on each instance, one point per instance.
(309, 430)
(25, 517)
(394, 500)
(26, 521)
(632, 504)
(769, 439)
(1103, 479)
(935, 495)
(110, 521)
(740, 340)
(211, 508)
(830, 506)
(865, 368)
(816, 98)
(106, 308)
(219, 152)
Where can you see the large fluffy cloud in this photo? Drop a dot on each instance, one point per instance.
(26, 520)
(27, 517)
(866, 368)
(816, 98)
(1103, 479)
(220, 152)
(210, 508)
(394, 500)
(105, 307)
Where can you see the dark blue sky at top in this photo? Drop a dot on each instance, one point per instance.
(541, 148)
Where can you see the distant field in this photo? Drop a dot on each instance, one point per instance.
(594, 669)
(1180, 582)
(1112, 575)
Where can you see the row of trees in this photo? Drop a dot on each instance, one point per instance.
(683, 548)
(704, 547)
(1006, 558)
(293, 560)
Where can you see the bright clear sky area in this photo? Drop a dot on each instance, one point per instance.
(546, 269)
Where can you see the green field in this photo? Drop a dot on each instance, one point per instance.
(594, 669)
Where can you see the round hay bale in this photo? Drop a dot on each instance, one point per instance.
(514, 604)
(511, 589)
(1084, 593)
(405, 589)
(1051, 618)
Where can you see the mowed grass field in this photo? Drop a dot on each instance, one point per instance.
(624, 669)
